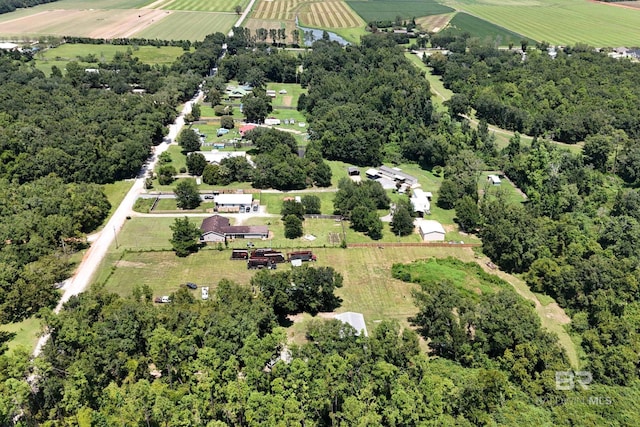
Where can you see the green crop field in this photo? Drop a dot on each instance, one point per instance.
(381, 10)
(465, 23)
(205, 5)
(560, 21)
(189, 26)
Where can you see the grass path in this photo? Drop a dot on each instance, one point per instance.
(443, 94)
(552, 316)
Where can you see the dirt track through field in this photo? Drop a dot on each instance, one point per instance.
(138, 21)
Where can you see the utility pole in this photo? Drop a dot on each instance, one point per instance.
(115, 236)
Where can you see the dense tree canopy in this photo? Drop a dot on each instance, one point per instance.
(570, 97)
(361, 97)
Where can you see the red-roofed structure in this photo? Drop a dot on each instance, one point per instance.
(246, 128)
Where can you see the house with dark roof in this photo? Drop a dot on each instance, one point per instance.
(217, 228)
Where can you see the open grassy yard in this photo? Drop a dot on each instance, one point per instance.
(115, 193)
(273, 201)
(506, 187)
(289, 99)
(368, 286)
(26, 333)
(388, 10)
(181, 25)
(560, 21)
(105, 52)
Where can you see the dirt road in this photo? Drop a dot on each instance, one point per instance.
(92, 259)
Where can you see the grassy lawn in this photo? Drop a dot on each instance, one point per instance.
(178, 159)
(273, 201)
(115, 193)
(170, 205)
(437, 87)
(27, 333)
(506, 187)
(289, 99)
(368, 288)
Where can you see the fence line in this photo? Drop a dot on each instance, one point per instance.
(417, 244)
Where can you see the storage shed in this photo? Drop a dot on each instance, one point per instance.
(431, 231)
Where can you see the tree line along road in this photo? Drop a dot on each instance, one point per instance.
(96, 253)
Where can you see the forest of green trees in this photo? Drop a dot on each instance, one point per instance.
(61, 136)
(469, 358)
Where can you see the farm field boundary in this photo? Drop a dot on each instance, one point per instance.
(204, 5)
(388, 10)
(561, 22)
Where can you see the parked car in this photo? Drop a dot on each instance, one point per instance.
(191, 285)
(208, 196)
(205, 292)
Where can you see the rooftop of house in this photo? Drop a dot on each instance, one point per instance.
(221, 225)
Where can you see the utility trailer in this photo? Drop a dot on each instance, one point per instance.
(302, 255)
(261, 262)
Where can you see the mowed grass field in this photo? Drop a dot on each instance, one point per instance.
(205, 5)
(368, 285)
(189, 26)
(119, 18)
(388, 10)
(560, 21)
(484, 30)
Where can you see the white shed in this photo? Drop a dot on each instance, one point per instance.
(354, 319)
(431, 231)
(494, 179)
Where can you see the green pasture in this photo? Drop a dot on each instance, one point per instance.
(192, 26)
(388, 10)
(484, 30)
(26, 333)
(205, 5)
(560, 22)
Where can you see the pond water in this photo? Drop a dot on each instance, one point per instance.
(309, 35)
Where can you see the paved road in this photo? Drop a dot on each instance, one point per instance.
(243, 16)
(92, 259)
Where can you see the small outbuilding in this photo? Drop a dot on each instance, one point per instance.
(431, 231)
(246, 128)
(354, 319)
(353, 171)
(494, 179)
